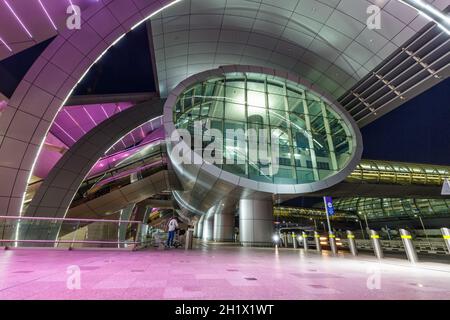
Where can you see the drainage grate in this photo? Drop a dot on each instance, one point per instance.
(137, 270)
(251, 279)
(232, 270)
(23, 271)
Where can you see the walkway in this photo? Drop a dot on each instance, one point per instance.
(214, 272)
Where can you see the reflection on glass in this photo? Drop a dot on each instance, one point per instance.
(314, 141)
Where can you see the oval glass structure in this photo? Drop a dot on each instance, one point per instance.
(313, 143)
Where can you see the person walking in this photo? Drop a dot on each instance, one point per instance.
(172, 226)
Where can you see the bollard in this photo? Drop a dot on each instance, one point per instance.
(317, 241)
(285, 238)
(409, 247)
(446, 236)
(305, 241)
(189, 237)
(332, 239)
(294, 240)
(352, 243)
(376, 244)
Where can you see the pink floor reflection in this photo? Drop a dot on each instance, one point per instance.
(214, 272)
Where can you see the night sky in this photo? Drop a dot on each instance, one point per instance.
(417, 131)
(14, 68)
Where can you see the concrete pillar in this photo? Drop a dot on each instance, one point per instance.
(195, 229)
(208, 225)
(200, 227)
(255, 222)
(224, 225)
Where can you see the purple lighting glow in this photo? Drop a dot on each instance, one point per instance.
(73, 8)
(48, 15)
(5, 44)
(3, 105)
(18, 19)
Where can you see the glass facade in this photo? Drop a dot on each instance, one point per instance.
(381, 208)
(388, 172)
(313, 140)
(315, 213)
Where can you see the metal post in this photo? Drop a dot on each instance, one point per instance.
(362, 230)
(285, 240)
(332, 240)
(425, 231)
(196, 229)
(317, 241)
(331, 236)
(189, 238)
(74, 235)
(137, 237)
(388, 233)
(294, 240)
(351, 243)
(409, 247)
(377, 249)
(305, 241)
(367, 224)
(446, 236)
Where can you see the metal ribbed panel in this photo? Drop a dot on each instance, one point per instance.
(422, 62)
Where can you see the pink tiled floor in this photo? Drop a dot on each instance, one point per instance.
(216, 272)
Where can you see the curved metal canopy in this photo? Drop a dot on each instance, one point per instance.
(327, 42)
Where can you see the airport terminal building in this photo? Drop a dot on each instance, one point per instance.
(305, 126)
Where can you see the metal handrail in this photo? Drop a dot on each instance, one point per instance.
(134, 241)
(67, 219)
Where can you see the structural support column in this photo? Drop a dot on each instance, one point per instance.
(125, 215)
(208, 225)
(223, 225)
(195, 229)
(255, 222)
(200, 227)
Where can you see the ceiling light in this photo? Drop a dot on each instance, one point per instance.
(18, 19)
(48, 15)
(6, 45)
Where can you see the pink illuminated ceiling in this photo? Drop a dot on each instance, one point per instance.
(24, 23)
(72, 122)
